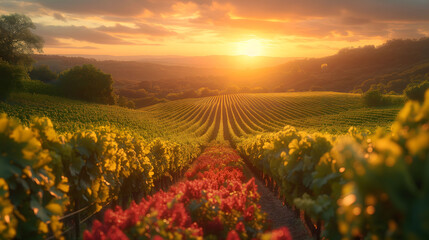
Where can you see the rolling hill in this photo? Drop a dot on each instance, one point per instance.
(397, 62)
(229, 117)
(225, 117)
(389, 67)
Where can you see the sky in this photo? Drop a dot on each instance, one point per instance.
(276, 28)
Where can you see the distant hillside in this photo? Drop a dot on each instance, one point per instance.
(390, 67)
(124, 71)
(400, 61)
(213, 61)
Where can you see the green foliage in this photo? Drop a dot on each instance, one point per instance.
(243, 114)
(87, 83)
(32, 192)
(398, 80)
(10, 78)
(359, 186)
(125, 102)
(201, 92)
(41, 171)
(206, 92)
(73, 116)
(416, 91)
(43, 73)
(17, 42)
(302, 166)
(373, 98)
(38, 87)
(198, 120)
(106, 164)
(388, 185)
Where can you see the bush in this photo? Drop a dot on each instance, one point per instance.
(416, 91)
(373, 98)
(358, 91)
(43, 73)
(87, 83)
(182, 95)
(125, 102)
(11, 77)
(39, 87)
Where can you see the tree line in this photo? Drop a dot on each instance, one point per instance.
(17, 73)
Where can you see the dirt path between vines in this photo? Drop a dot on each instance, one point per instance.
(279, 214)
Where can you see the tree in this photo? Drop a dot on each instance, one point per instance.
(125, 102)
(416, 91)
(11, 77)
(43, 73)
(373, 98)
(17, 41)
(87, 83)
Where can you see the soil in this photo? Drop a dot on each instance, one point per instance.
(279, 214)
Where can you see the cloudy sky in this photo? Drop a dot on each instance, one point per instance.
(282, 28)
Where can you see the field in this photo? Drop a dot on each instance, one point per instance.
(225, 117)
(309, 151)
(70, 115)
(229, 117)
(214, 120)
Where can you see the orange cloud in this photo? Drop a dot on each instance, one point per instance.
(194, 25)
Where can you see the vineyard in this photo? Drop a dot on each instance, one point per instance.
(214, 120)
(352, 186)
(213, 202)
(65, 161)
(226, 117)
(71, 116)
(229, 117)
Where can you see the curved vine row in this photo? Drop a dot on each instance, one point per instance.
(212, 203)
(43, 174)
(355, 186)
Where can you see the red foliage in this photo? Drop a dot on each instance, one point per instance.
(233, 235)
(281, 234)
(213, 201)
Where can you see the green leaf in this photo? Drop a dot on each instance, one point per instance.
(7, 170)
(39, 210)
(76, 166)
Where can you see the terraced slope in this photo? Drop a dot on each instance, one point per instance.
(229, 117)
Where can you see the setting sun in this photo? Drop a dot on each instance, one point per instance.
(252, 48)
(223, 119)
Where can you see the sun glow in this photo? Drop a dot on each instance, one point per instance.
(252, 48)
